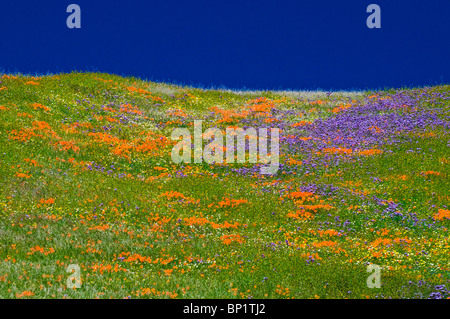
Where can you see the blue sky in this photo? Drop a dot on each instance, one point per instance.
(308, 44)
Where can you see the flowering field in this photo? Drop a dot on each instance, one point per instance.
(87, 179)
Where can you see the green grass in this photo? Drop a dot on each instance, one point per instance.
(55, 211)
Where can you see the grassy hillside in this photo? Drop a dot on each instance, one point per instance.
(87, 179)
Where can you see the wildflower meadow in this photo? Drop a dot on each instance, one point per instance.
(93, 206)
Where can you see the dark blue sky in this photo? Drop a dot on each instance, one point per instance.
(277, 44)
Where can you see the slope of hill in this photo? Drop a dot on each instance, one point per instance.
(87, 179)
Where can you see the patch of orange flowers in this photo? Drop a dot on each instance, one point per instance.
(24, 294)
(224, 225)
(441, 214)
(191, 221)
(337, 150)
(381, 241)
(341, 108)
(47, 201)
(232, 202)
(172, 194)
(22, 135)
(24, 114)
(426, 173)
(301, 123)
(153, 291)
(42, 250)
(32, 162)
(22, 175)
(39, 106)
(328, 232)
(301, 194)
(228, 239)
(300, 214)
(327, 243)
(128, 108)
(144, 92)
(370, 152)
(67, 145)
